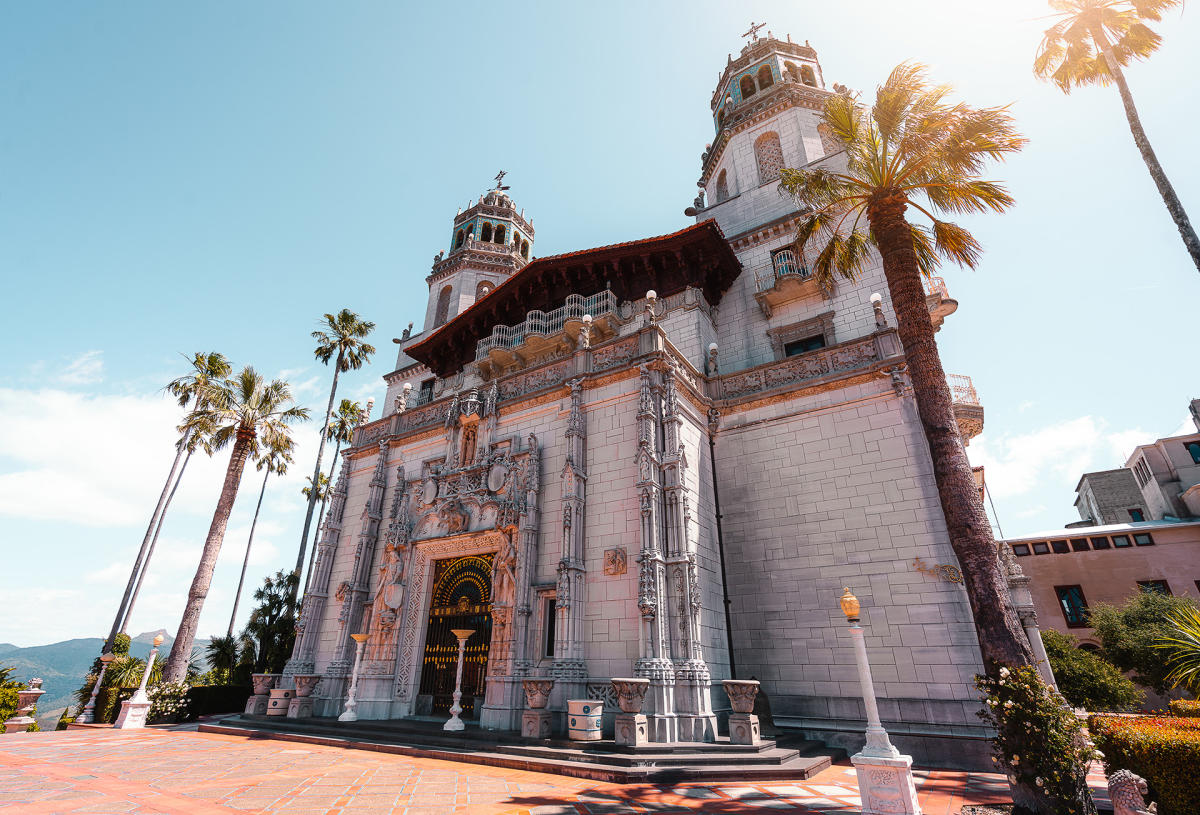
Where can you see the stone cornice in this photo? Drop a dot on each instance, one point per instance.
(480, 255)
(752, 53)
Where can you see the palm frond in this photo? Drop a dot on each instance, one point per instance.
(1182, 647)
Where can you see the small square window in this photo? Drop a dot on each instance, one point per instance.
(1099, 543)
(1021, 549)
(1079, 544)
(790, 349)
(1154, 586)
(1041, 548)
(1060, 547)
(1193, 448)
(1136, 515)
(1143, 539)
(1121, 541)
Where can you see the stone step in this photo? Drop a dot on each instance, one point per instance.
(800, 759)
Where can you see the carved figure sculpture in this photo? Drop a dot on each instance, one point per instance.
(504, 571)
(390, 592)
(1128, 792)
(455, 516)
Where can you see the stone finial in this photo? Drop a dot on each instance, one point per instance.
(1128, 792)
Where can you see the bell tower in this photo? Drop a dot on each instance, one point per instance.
(766, 111)
(489, 243)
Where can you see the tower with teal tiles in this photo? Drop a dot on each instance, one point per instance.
(489, 243)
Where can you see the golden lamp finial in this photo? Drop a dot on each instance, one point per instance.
(849, 604)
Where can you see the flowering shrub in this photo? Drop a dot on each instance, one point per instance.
(1039, 743)
(1187, 708)
(1163, 750)
(168, 701)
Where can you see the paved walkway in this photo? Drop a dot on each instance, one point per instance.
(182, 771)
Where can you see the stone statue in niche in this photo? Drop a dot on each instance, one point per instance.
(504, 571)
(389, 595)
(343, 589)
(616, 561)
(455, 516)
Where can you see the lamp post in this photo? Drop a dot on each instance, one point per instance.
(455, 723)
(885, 780)
(134, 710)
(349, 713)
(88, 714)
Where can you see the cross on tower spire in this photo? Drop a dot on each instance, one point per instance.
(753, 32)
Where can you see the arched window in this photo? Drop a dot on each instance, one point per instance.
(722, 187)
(747, 85)
(525, 249)
(498, 235)
(765, 80)
(769, 156)
(485, 234)
(442, 313)
(458, 239)
(720, 118)
(482, 290)
(792, 71)
(807, 76)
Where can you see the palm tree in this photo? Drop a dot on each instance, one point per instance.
(341, 429)
(322, 491)
(1182, 647)
(206, 369)
(246, 411)
(1089, 44)
(222, 653)
(344, 338)
(274, 460)
(913, 149)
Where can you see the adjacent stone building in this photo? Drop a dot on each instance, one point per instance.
(661, 458)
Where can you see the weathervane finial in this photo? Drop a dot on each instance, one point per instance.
(753, 32)
(500, 179)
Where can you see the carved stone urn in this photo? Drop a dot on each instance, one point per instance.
(741, 694)
(263, 683)
(537, 692)
(631, 693)
(306, 684)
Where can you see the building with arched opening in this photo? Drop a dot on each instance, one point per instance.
(661, 458)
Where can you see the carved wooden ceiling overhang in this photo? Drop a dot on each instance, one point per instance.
(697, 256)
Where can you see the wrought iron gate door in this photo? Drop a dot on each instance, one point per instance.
(462, 598)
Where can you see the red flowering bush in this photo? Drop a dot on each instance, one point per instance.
(1163, 750)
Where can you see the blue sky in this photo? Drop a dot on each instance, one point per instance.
(176, 178)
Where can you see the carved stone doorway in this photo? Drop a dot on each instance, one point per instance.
(461, 598)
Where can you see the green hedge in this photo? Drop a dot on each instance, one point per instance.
(1165, 751)
(1187, 708)
(205, 700)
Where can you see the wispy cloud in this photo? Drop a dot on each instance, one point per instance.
(85, 369)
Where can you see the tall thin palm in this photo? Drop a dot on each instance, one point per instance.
(322, 491)
(206, 368)
(248, 412)
(274, 460)
(341, 429)
(1089, 44)
(914, 149)
(342, 338)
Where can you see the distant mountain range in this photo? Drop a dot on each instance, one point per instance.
(62, 667)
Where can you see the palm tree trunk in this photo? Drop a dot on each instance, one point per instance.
(1001, 639)
(119, 620)
(337, 447)
(1165, 189)
(246, 560)
(181, 650)
(312, 498)
(153, 543)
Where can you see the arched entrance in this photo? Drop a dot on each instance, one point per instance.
(461, 598)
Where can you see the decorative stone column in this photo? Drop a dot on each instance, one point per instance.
(301, 705)
(135, 710)
(537, 722)
(350, 714)
(454, 722)
(88, 714)
(26, 705)
(743, 724)
(569, 666)
(630, 728)
(256, 705)
(1022, 598)
(885, 779)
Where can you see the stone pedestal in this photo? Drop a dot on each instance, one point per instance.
(133, 714)
(257, 704)
(537, 724)
(886, 785)
(279, 700)
(743, 729)
(26, 704)
(301, 705)
(631, 729)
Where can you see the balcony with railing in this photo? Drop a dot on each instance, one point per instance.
(937, 298)
(510, 345)
(788, 278)
(968, 411)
